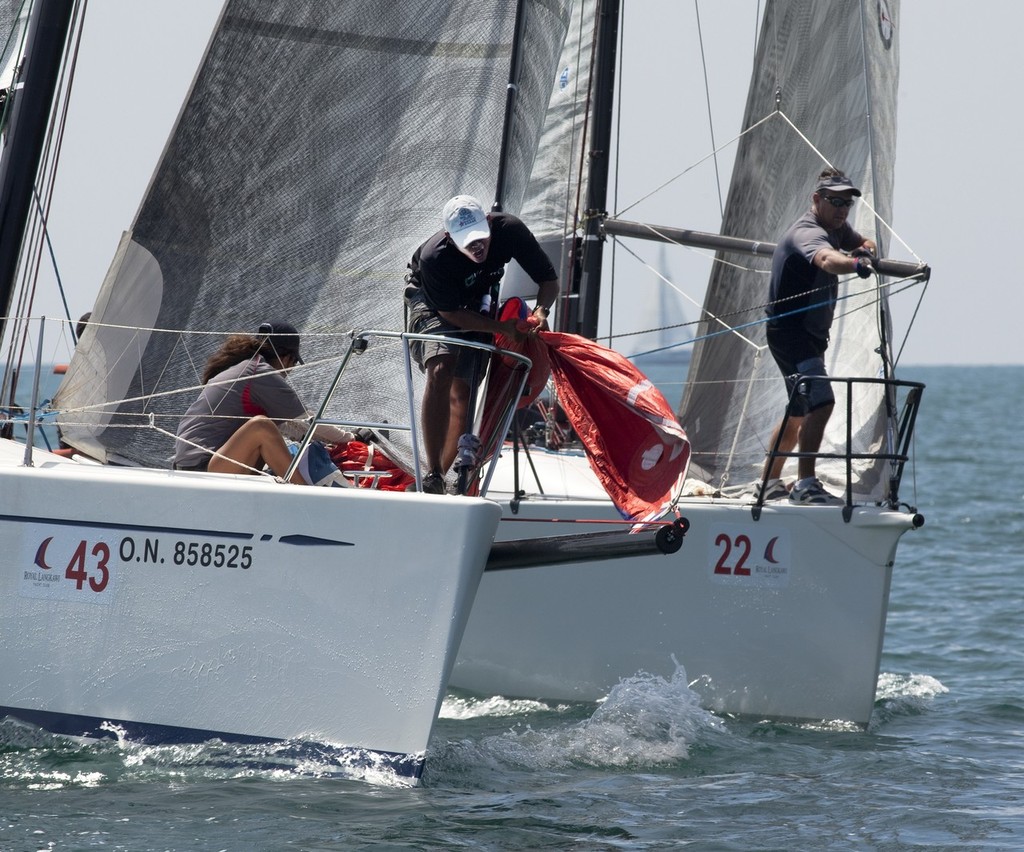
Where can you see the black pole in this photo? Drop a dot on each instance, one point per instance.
(511, 90)
(666, 540)
(26, 134)
(467, 463)
(740, 245)
(599, 156)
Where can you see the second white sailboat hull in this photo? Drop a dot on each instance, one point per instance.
(782, 617)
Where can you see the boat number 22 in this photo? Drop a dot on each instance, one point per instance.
(734, 554)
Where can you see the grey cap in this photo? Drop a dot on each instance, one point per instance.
(837, 183)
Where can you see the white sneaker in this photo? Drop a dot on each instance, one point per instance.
(814, 494)
(774, 489)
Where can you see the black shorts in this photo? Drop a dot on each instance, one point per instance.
(798, 356)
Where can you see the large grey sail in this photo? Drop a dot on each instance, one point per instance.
(832, 67)
(557, 188)
(13, 23)
(314, 153)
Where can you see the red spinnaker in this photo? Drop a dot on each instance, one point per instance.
(633, 441)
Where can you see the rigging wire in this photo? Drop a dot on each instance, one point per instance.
(53, 262)
(864, 201)
(726, 328)
(757, 19)
(617, 172)
(38, 234)
(707, 99)
(721, 319)
(716, 259)
(565, 299)
(910, 325)
(693, 166)
(577, 136)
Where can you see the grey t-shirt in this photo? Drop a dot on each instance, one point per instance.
(230, 398)
(797, 285)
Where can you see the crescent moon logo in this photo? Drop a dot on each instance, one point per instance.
(769, 551)
(41, 554)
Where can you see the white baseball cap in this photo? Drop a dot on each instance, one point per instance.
(465, 220)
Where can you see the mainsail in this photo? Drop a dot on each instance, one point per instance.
(314, 152)
(735, 394)
(13, 21)
(557, 187)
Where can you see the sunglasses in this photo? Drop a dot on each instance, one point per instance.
(836, 201)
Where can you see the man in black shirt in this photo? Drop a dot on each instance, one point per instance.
(454, 278)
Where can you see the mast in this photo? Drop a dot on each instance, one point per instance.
(26, 134)
(511, 91)
(583, 311)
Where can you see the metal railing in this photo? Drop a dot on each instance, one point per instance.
(897, 437)
(359, 345)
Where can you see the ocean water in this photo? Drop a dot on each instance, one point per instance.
(940, 767)
(45, 432)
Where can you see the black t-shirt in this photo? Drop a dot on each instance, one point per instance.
(449, 280)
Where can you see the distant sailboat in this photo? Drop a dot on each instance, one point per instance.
(664, 356)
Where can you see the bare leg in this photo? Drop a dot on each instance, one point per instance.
(435, 415)
(812, 431)
(258, 440)
(459, 399)
(773, 469)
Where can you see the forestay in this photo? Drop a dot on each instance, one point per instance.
(314, 152)
(735, 395)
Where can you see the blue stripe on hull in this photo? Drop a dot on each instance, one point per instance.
(95, 727)
(295, 539)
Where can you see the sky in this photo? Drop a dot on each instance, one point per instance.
(958, 113)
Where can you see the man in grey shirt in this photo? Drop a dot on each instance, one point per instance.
(802, 298)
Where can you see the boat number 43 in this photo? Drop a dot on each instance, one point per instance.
(63, 563)
(744, 555)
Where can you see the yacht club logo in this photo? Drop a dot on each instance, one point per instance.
(885, 23)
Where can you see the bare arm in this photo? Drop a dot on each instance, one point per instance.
(296, 430)
(838, 263)
(547, 292)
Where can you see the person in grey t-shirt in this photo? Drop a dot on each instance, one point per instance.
(245, 402)
(818, 247)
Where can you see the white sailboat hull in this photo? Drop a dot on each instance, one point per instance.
(179, 607)
(777, 618)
